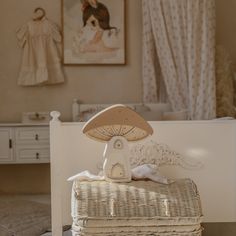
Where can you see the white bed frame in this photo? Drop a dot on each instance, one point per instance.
(80, 110)
(211, 142)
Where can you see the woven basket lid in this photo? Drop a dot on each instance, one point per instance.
(117, 120)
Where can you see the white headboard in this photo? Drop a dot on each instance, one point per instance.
(211, 142)
(153, 111)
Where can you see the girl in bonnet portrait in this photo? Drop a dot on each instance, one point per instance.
(96, 35)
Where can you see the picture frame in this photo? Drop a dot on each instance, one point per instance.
(93, 32)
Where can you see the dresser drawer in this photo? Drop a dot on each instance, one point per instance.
(32, 135)
(32, 154)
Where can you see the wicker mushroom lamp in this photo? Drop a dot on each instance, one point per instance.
(117, 125)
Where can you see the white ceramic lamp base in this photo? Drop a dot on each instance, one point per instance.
(116, 166)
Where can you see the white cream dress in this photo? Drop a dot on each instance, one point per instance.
(41, 60)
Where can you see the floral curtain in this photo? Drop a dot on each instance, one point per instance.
(179, 55)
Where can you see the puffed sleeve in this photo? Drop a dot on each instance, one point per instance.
(21, 34)
(55, 31)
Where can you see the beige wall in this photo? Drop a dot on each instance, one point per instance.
(25, 178)
(226, 26)
(91, 84)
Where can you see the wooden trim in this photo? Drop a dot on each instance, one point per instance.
(56, 179)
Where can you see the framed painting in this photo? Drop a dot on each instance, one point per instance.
(93, 32)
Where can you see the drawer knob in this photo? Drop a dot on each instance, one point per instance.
(10, 143)
(36, 137)
(37, 155)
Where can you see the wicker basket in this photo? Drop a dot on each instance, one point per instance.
(136, 208)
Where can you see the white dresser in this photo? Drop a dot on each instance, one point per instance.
(22, 143)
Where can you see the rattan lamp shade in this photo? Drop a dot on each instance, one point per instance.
(117, 120)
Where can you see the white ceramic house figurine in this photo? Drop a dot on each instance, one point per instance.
(117, 125)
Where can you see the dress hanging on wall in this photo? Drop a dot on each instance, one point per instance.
(41, 60)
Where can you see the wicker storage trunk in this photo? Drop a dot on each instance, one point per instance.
(141, 208)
